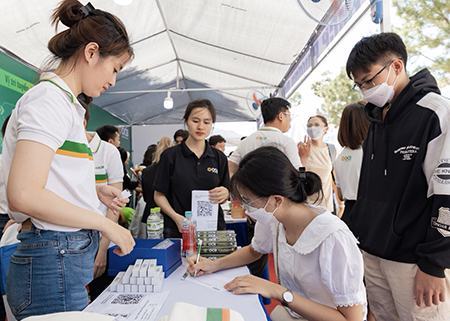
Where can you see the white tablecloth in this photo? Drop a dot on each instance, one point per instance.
(247, 305)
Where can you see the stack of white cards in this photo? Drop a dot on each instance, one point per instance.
(142, 277)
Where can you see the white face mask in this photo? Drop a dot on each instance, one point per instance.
(315, 132)
(260, 214)
(381, 94)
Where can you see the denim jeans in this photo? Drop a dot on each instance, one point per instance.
(49, 272)
(3, 220)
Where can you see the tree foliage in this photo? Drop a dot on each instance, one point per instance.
(426, 31)
(337, 93)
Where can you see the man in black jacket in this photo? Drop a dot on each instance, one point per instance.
(402, 215)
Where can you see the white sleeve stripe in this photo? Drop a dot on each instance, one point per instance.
(438, 149)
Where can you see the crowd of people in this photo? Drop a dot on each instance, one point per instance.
(363, 234)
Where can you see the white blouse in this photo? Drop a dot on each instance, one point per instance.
(324, 265)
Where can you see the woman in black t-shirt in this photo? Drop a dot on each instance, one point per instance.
(192, 165)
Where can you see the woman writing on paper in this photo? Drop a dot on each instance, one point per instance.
(319, 264)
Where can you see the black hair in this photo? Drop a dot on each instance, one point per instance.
(322, 118)
(200, 103)
(148, 155)
(267, 171)
(87, 24)
(271, 107)
(85, 101)
(215, 139)
(354, 126)
(5, 123)
(123, 154)
(181, 133)
(375, 49)
(107, 132)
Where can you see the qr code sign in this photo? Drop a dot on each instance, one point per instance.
(204, 209)
(128, 299)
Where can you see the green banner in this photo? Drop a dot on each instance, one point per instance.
(13, 82)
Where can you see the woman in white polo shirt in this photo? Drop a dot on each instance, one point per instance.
(50, 169)
(320, 267)
(353, 130)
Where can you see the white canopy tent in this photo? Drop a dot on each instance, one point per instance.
(232, 48)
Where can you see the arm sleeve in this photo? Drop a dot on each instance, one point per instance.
(262, 241)
(434, 251)
(236, 156)
(114, 167)
(44, 117)
(292, 153)
(342, 269)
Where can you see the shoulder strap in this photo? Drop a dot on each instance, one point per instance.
(332, 154)
(275, 254)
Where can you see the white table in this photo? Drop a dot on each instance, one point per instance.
(192, 292)
(247, 305)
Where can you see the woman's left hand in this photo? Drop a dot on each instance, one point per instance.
(254, 285)
(218, 195)
(110, 196)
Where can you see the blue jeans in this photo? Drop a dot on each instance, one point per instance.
(49, 272)
(3, 220)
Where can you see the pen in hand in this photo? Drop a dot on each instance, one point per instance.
(198, 254)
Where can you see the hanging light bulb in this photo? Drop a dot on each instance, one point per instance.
(168, 101)
(123, 2)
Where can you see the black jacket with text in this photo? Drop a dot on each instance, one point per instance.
(402, 212)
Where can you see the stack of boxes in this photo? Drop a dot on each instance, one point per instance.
(142, 277)
(217, 243)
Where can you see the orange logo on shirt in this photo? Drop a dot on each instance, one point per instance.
(213, 170)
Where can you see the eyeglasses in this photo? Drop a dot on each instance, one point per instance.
(369, 82)
(247, 205)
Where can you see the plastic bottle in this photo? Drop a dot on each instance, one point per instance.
(155, 224)
(189, 235)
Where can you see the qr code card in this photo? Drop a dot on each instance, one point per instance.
(204, 213)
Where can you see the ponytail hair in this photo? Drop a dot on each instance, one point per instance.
(267, 171)
(87, 24)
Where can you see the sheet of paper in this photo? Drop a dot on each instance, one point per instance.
(129, 306)
(204, 212)
(215, 281)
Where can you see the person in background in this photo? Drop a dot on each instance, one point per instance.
(320, 268)
(402, 214)
(192, 165)
(352, 132)
(110, 134)
(128, 183)
(318, 157)
(148, 155)
(54, 196)
(4, 218)
(148, 176)
(217, 142)
(277, 120)
(180, 136)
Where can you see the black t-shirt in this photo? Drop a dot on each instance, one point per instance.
(180, 172)
(147, 181)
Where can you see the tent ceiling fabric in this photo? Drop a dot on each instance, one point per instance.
(214, 43)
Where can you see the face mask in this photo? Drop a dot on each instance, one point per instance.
(260, 214)
(315, 132)
(381, 94)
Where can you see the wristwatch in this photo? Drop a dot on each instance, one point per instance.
(287, 297)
